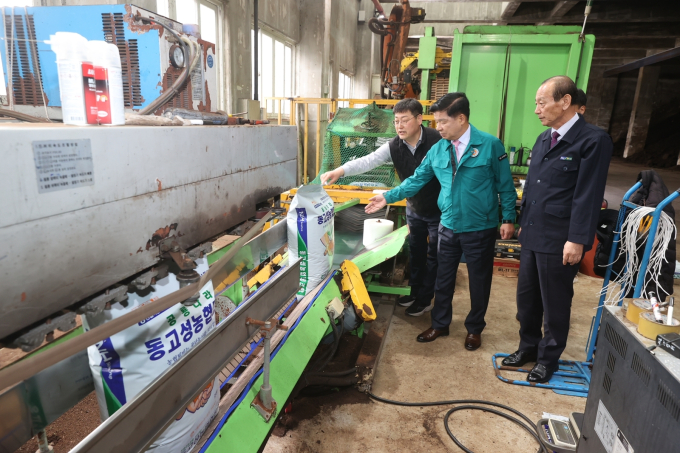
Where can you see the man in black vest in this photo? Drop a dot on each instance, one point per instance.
(406, 152)
(560, 209)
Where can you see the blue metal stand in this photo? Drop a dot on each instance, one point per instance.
(625, 205)
(572, 378)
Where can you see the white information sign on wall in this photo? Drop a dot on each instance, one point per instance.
(63, 164)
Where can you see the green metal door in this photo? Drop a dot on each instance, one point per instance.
(500, 69)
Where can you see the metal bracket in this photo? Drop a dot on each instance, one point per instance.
(35, 337)
(149, 278)
(263, 402)
(102, 302)
(170, 248)
(200, 251)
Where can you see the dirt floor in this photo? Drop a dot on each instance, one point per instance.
(69, 429)
(442, 370)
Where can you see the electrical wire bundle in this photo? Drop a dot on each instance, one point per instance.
(633, 234)
(526, 424)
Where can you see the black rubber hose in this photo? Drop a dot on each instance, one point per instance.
(376, 27)
(337, 334)
(164, 98)
(22, 116)
(467, 404)
(529, 429)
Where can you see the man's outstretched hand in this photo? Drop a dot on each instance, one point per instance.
(376, 204)
(331, 176)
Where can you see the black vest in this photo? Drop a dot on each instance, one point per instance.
(424, 203)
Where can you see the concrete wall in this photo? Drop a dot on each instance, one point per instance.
(367, 61)
(146, 4)
(237, 24)
(281, 16)
(459, 11)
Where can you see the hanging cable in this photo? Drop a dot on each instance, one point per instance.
(632, 238)
(527, 424)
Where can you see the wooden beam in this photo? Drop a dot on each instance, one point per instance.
(509, 10)
(657, 58)
(559, 10)
(611, 12)
(641, 114)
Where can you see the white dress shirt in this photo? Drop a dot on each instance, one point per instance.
(565, 127)
(464, 140)
(377, 158)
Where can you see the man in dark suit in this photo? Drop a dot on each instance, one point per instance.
(562, 198)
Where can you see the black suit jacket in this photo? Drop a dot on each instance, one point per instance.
(564, 189)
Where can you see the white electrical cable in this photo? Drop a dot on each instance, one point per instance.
(630, 246)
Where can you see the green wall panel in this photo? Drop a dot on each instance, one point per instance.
(483, 83)
(493, 63)
(529, 65)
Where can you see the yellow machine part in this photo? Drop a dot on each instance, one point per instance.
(439, 56)
(353, 282)
(340, 194)
(649, 328)
(635, 307)
(265, 272)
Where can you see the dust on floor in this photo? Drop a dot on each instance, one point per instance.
(443, 370)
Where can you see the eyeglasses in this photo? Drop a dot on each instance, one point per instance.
(398, 122)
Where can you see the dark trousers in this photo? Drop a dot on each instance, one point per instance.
(544, 291)
(423, 256)
(478, 247)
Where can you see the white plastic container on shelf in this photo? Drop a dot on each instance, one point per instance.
(77, 87)
(109, 80)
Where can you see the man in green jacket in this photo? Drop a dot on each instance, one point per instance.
(468, 200)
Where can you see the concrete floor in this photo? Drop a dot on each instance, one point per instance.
(622, 175)
(411, 371)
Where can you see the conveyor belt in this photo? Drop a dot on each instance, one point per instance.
(29, 367)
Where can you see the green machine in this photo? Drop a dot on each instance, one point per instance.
(501, 67)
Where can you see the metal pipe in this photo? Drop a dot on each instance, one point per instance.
(306, 147)
(43, 444)
(650, 242)
(256, 50)
(266, 388)
(318, 137)
(592, 340)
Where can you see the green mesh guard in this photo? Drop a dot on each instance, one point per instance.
(355, 133)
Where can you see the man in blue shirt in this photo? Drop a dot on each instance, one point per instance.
(473, 170)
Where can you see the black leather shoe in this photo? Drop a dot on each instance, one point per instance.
(540, 373)
(519, 358)
(473, 341)
(432, 334)
(406, 301)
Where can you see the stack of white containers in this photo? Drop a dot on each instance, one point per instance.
(90, 80)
